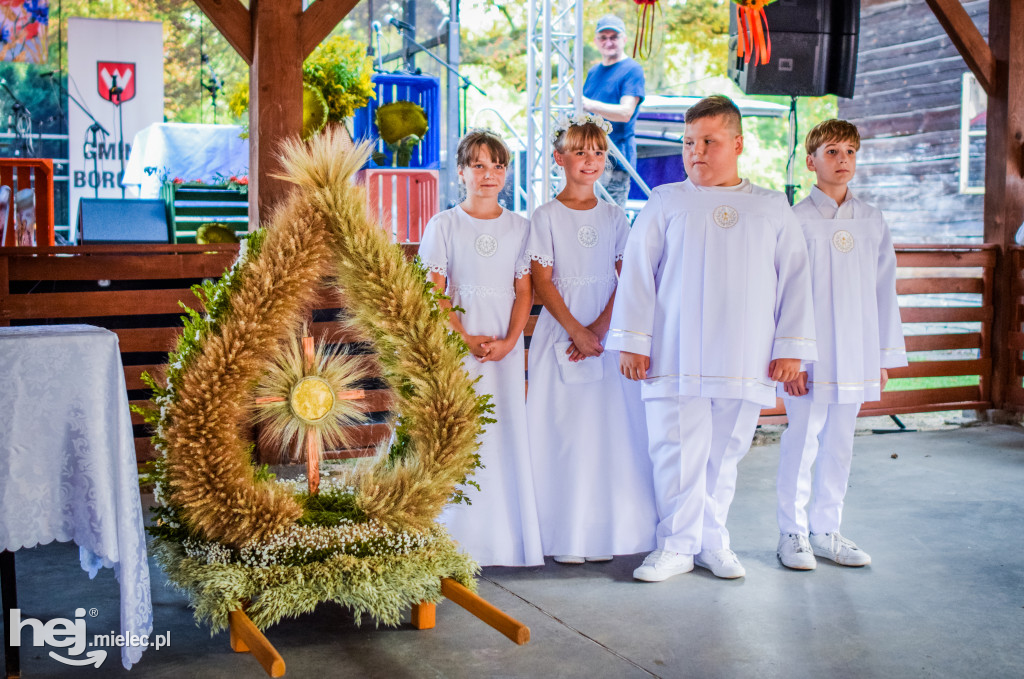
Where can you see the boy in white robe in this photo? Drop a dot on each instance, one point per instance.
(713, 307)
(853, 276)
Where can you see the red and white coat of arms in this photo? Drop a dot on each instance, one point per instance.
(115, 80)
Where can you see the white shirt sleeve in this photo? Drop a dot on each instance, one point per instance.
(632, 325)
(621, 232)
(890, 326)
(523, 261)
(539, 247)
(433, 250)
(794, 305)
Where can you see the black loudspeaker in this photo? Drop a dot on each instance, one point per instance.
(122, 220)
(814, 50)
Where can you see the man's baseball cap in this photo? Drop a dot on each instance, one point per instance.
(610, 22)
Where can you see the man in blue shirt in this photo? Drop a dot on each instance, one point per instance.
(614, 89)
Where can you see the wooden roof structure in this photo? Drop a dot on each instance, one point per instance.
(998, 65)
(274, 37)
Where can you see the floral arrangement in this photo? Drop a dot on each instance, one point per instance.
(228, 533)
(338, 70)
(565, 121)
(238, 183)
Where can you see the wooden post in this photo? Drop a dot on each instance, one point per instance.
(274, 37)
(275, 97)
(424, 615)
(1004, 178)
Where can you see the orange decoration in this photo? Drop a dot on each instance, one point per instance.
(752, 37)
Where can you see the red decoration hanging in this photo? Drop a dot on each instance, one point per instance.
(752, 39)
(644, 41)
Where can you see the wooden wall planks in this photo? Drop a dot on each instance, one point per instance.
(907, 107)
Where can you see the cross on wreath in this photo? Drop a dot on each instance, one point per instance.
(305, 397)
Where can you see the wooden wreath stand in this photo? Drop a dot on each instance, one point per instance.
(245, 637)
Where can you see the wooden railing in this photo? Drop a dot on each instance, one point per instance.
(135, 291)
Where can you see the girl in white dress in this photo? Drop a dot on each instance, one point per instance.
(474, 252)
(588, 440)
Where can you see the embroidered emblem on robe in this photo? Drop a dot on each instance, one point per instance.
(587, 236)
(726, 217)
(843, 240)
(486, 245)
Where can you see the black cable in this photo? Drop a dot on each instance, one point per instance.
(791, 188)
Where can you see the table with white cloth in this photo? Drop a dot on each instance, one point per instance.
(190, 151)
(67, 459)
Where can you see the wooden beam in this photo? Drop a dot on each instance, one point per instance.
(245, 637)
(319, 20)
(1004, 181)
(275, 98)
(493, 616)
(232, 19)
(968, 40)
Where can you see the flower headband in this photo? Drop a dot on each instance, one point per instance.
(566, 121)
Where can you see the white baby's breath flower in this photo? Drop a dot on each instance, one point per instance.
(566, 121)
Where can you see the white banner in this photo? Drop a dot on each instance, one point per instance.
(115, 70)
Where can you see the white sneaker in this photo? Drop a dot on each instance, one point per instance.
(568, 559)
(662, 565)
(722, 562)
(835, 547)
(795, 552)
(599, 559)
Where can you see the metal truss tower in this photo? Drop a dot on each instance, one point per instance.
(555, 85)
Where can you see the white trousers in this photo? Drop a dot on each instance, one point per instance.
(695, 446)
(819, 434)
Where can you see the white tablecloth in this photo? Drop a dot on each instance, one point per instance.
(67, 459)
(187, 150)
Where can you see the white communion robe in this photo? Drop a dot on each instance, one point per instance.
(588, 440)
(481, 258)
(714, 286)
(859, 332)
(857, 315)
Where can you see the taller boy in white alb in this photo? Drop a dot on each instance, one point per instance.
(713, 307)
(853, 274)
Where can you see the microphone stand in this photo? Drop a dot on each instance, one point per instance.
(94, 130)
(116, 91)
(23, 143)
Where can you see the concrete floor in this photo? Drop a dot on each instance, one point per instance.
(941, 513)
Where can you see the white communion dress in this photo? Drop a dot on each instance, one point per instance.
(481, 259)
(588, 437)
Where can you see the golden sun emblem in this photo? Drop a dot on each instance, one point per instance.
(842, 240)
(726, 216)
(307, 397)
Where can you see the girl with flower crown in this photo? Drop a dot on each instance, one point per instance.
(588, 439)
(474, 253)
